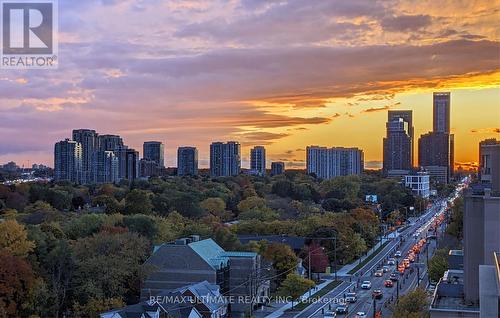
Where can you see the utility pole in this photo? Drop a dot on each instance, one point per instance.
(397, 290)
(374, 307)
(418, 276)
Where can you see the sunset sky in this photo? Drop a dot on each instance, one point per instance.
(283, 74)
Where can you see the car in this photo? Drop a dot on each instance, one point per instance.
(391, 261)
(406, 263)
(393, 277)
(366, 284)
(360, 314)
(385, 269)
(351, 297)
(397, 254)
(377, 294)
(342, 310)
(388, 283)
(330, 314)
(379, 273)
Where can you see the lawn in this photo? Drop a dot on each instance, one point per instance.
(369, 258)
(304, 304)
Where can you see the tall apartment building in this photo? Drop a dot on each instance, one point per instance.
(128, 163)
(89, 140)
(277, 168)
(327, 163)
(489, 164)
(187, 161)
(225, 159)
(154, 151)
(407, 116)
(435, 151)
(441, 109)
(258, 161)
(397, 147)
(149, 168)
(109, 142)
(68, 161)
(482, 218)
(105, 167)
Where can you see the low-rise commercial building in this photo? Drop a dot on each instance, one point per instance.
(419, 184)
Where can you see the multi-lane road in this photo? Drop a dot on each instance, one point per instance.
(415, 276)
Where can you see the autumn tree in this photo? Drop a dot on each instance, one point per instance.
(294, 286)
(412, 305)
(438, 264)
(315, 255)
(282, 257)
(138, 202)
(16, 281)
(108, 265)
(14, 238)
(95, 306)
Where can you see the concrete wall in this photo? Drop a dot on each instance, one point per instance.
(481, 239)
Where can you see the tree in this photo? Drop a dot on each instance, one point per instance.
(294, 286)
(108, 266)
(264, 214)
(456, 224)
(347, 187)
(138, 202)
(187, 205)
(283, 188)
(15, 200)
(40, 212)
(14, 238)
(319, 260)
(60, 199)
(16, 282)
(94, 307)
(85, 225)
(216, 207)
(109, 202)
(438, 264)
(412, 305)
(283, 259)
(226, 239)
(141, 224)
(252, 203)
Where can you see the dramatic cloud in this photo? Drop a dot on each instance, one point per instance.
(406, 23)
(194, 71)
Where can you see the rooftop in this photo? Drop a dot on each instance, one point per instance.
(450, 297)
(456, 252)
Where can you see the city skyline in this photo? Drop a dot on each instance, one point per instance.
(194, 79)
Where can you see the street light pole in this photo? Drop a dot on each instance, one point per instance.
(309, 266)
(374, 307)
(335, 255)
(397, 289)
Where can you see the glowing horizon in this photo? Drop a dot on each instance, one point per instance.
(284, 75)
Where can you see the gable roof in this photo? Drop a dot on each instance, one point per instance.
(207, 293)
(211, 252)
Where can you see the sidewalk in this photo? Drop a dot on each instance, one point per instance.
(280, 311)
(342, 272)
(347, 268)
